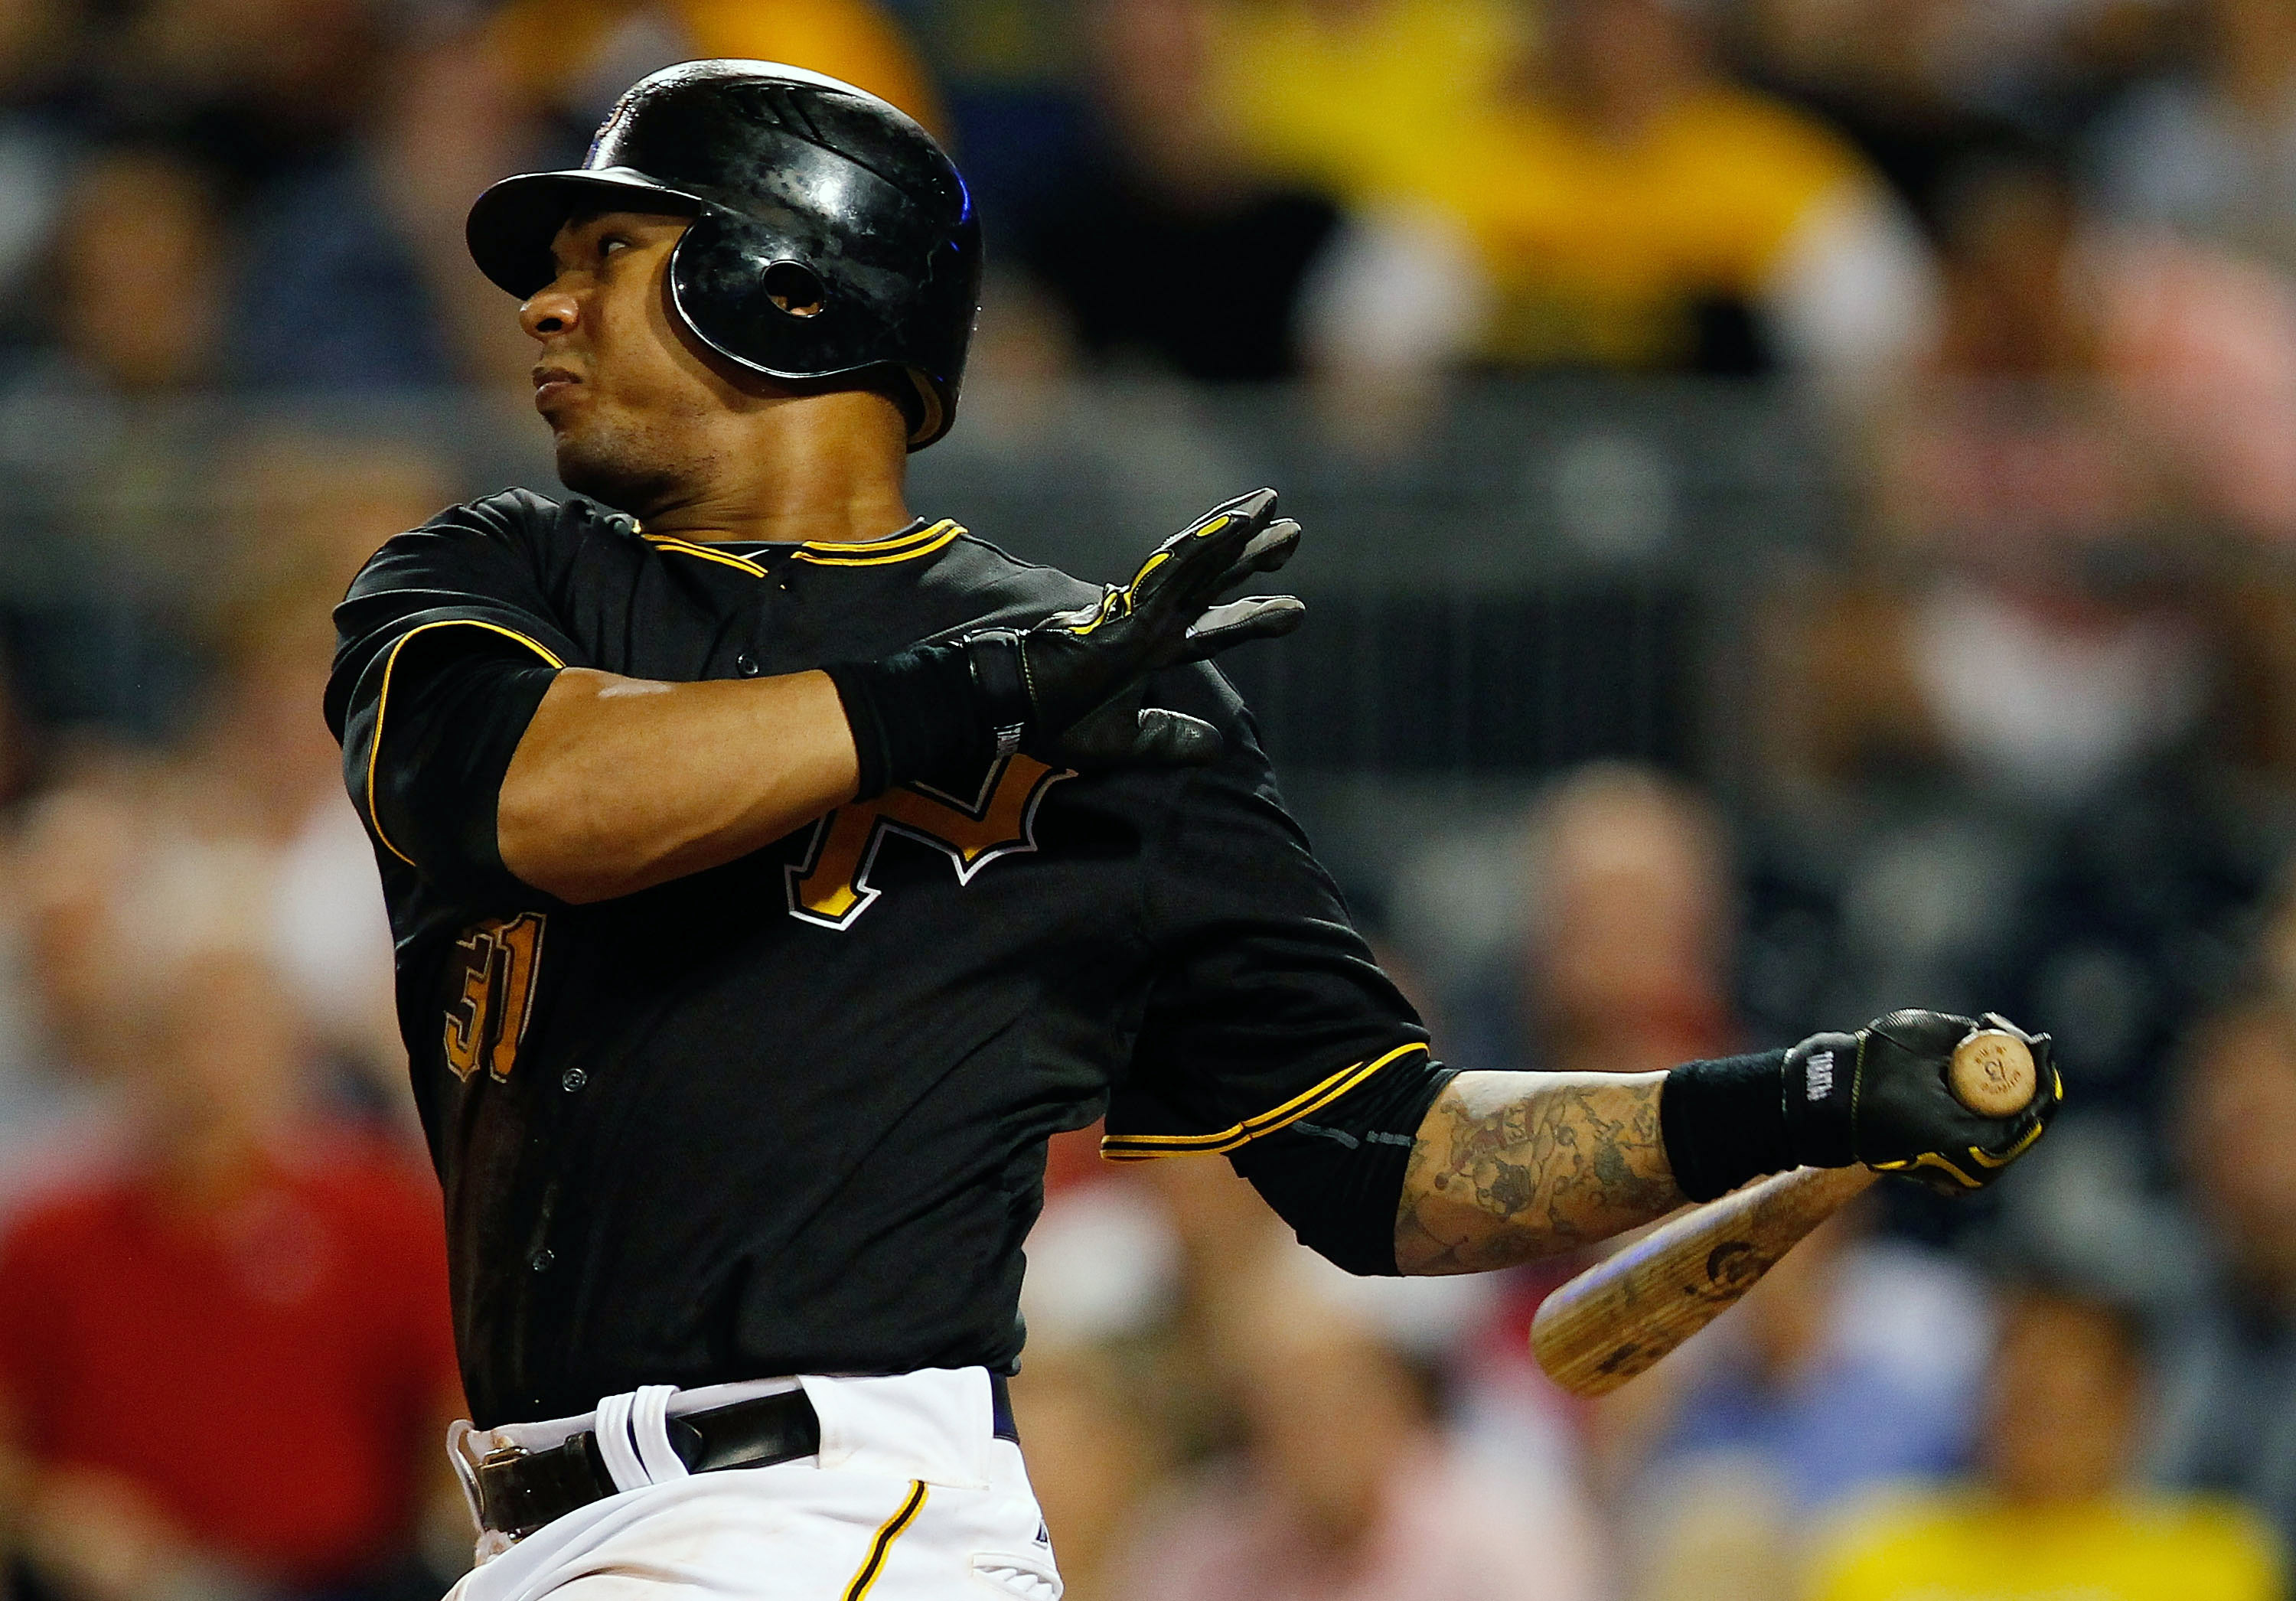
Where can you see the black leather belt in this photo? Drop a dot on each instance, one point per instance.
(521, 1491)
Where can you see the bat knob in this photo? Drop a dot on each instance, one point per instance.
(1992, 1073)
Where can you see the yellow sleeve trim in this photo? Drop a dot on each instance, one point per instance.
(382, 705)
(879, 553)
(1148, 1147)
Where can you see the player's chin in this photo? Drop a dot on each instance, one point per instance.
(601, 468)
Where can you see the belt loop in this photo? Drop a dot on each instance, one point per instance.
(611, 1430)
(649, 1433)
(467, 1471)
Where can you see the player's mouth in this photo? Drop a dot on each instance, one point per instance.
(551, 384)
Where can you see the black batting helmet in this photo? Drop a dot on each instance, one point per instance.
(832, 236)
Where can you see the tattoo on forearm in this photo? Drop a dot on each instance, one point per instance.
(1511, 1167)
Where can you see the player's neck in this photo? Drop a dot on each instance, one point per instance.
(826, 468)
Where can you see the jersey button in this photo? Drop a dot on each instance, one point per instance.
(572, 1079)
(747, 666)
(541, 1260)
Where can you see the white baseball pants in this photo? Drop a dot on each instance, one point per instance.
(911, 1499)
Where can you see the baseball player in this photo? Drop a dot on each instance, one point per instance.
(774, 871)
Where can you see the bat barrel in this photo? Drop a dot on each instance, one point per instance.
(1618, 1318)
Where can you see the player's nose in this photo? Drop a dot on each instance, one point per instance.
(549, 312)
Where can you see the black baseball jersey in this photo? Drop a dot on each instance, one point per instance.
(788, 1116)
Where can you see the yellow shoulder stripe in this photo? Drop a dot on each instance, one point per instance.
(878, 553)
(1147, 1148)
(687, 547)
(824, 552)
(382, 705)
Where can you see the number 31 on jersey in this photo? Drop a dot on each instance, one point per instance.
(487, 1019)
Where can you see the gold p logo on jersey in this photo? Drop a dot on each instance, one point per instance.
(831, 886)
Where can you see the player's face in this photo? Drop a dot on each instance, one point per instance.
(635, 410)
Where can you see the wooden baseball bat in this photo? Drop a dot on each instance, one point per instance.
(1620, 1316)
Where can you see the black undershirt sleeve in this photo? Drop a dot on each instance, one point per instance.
(445, 644)
(1337, 1176)
(460, 703)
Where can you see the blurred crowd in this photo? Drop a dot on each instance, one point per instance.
(2025, 732)
(1887, 198)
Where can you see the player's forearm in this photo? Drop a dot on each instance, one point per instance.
(621, 784)
(1511, 1167)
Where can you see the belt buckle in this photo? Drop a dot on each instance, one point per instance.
(501, 1455)
(495, 1518)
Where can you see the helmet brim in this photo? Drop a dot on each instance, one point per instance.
(510, 225)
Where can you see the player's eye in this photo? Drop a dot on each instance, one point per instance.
(611, 242)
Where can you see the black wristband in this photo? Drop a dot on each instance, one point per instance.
(1000, 686)
(912, 713)
(1724, 1123)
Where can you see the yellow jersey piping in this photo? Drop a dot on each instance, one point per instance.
(382, 704)
(879, 553)
(686, 547)
(888, 1531)
(1148, 1147)
(826, 553)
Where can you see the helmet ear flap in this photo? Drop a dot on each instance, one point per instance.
(698, 279)
(748, 293)
(752, 296)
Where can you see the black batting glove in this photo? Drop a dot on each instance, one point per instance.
(1069, 690)
(1881, 1096)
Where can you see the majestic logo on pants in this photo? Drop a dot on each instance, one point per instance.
(831, 886)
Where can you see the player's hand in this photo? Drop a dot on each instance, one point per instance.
(1881, 1096)
(1068, 689)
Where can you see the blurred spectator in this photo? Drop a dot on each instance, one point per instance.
(1853, 1362)
(2194, 351)
(1095, 1448)
(276, 784)
(1918, 84)
(260, 774)
(354, 275)
(571, 62)
(1880, 70)
(225, 1371)
(19, 740)
(2096, 402)
(1161, 246)
(68, 858)
(37, 40)
(1224, 1240)
(98, 450)
(305, 508)
(1630, 910)
(2227, 1360)
(1633, 210)
(1347, 1487)
(253, 87)
(1361, 99)
(2212, 152)
(2051, 1513)
(141, 263)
